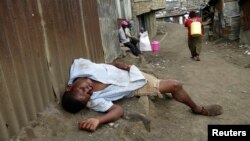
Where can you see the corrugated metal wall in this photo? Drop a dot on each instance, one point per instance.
(39, 39)
(108, 25)
(246, 15)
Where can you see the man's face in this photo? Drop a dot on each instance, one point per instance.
(82, 88)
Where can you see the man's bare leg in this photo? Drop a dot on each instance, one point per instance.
(179, 94)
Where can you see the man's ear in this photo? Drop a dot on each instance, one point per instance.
(68, 87)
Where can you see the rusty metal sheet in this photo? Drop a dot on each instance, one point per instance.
(39, 40)
(92, 29)
(246, 15)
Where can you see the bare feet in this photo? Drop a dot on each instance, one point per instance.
(210, 110)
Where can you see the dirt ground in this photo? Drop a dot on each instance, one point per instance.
(221, 77)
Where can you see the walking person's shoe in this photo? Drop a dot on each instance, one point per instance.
(194, 58)
(197, 58)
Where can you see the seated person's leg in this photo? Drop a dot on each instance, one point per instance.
(133, 48)
(134, 41)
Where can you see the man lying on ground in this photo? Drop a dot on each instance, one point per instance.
(96, 86)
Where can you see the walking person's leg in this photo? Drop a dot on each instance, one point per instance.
(198, 46)
(191, 47)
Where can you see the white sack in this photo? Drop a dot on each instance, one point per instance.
(144, 42)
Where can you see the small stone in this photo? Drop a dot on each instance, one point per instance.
(111, 124)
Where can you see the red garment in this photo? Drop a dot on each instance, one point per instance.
(188, 23)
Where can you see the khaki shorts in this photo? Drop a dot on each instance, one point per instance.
(151, 88)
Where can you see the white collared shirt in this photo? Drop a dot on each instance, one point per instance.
(122, 83)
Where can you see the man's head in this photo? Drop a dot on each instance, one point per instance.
(124, 23)
(130, 23)
(70, 103)
(192, 14)
(142, 30)
(77, 95)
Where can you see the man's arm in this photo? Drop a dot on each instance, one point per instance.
(91, 124)
(121, 65)
(127, 32)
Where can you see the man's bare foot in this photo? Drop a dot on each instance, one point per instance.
(210, 110)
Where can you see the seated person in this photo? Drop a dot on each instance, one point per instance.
(132, 38)
(96, 86)
(124, 39)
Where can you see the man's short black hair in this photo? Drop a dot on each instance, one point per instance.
(71, 104)
(192, 14)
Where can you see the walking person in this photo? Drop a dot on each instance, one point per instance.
(194, 42)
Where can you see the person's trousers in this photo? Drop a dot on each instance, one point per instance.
(133, 48)
(195, 45)
(134, 41)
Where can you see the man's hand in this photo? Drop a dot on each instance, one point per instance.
(121, 66)
(89, 124)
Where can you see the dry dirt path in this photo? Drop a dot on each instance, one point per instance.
(221, 77)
